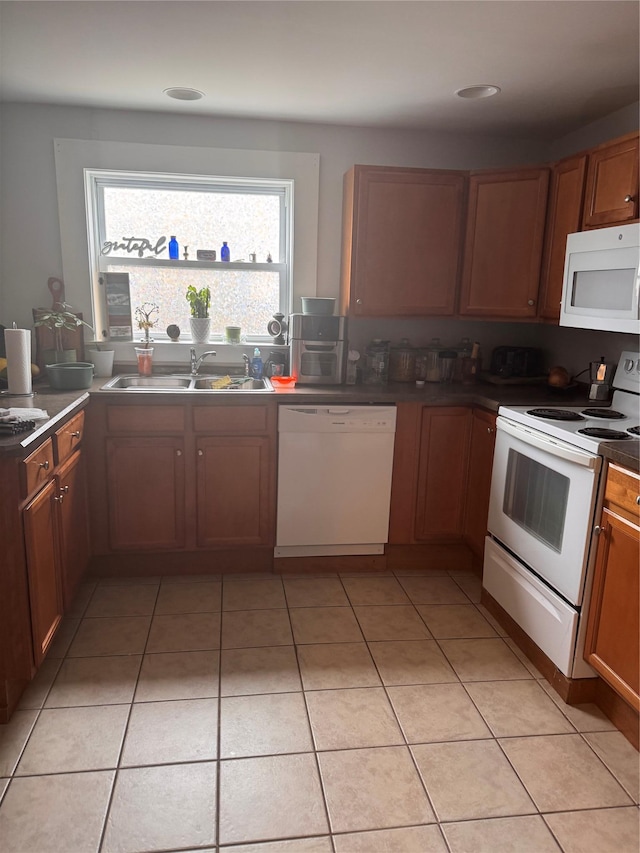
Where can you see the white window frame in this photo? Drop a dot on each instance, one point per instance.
(72, 156)
(95, 180)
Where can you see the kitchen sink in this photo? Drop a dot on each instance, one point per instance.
(206, 383)
(134, 382)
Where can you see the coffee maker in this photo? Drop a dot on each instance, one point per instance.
(601, 373)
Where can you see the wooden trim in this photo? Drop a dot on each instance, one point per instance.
(443, 557)
(221, 561)
(330, 564)
(622, 715)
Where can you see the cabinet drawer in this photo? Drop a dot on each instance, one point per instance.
(145, 419)
(231, 419)
(37, 467)
(68, 437)
(623, 491)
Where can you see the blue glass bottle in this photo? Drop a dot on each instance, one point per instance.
(174, 249)
(225, 254)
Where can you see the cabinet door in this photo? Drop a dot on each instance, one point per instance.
(235, 492)
(611, 644)
(43, 568)
(442, 473)
(483, 439)
(503, 246)
(73, 526)
(145, 482)
(403, 246)
(612, 184)
(564, 215)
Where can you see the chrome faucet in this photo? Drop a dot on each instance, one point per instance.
(196, 362)
(247, 364)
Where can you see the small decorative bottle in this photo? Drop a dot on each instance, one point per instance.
(225, 254)
(174, 249)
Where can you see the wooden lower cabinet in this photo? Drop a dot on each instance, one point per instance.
(233, 491)
(146, 488)
(73, 526)
(613, 628)
(429, 474)
(476, 510)
(43, 568)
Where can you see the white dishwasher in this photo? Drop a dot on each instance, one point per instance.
(334, 479)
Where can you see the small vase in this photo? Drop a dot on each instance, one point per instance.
(200, 329)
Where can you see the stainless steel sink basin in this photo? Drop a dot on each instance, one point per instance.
(238, 383)
(149, 383)
(205, 383)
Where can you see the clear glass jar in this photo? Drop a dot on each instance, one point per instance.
(464, 352)
(376, 368)
(432, 358)
(402, 362)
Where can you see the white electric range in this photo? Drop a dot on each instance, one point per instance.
(546, 492)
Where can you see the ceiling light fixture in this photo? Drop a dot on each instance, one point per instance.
(182, 94)
(480, 90)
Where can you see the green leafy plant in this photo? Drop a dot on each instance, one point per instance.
(199, 301)
(58, 320)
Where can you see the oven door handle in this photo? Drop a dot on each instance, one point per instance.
(554, 448)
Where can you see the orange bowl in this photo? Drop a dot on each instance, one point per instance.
(283, 381)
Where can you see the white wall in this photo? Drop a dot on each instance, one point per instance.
(29, 229)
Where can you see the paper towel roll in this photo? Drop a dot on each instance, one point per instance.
(18, 347)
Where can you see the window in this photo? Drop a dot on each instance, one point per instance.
(131, 219)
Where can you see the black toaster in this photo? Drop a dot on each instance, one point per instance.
(516, 362)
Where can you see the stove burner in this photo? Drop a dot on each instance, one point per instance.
(634, 430)
(556, 414)
(602, 432)
(608, 414)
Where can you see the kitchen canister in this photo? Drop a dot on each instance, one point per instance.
(402, 362)
(376, 370)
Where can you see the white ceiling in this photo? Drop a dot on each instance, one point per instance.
(560, 63)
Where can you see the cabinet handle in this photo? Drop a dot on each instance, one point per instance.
(628, 198)
(531, 302)
(75, 434)
(44, 465)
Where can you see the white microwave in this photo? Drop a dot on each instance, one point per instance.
(601, 284)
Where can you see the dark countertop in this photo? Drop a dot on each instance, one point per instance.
(60, 404)
(625, 453)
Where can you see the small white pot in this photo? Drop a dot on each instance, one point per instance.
(200, 329)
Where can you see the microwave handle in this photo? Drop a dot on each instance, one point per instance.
(563, 451)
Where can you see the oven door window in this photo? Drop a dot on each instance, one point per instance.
(318, 364)
(536, 498)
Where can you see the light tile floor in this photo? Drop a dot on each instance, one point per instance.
(304, 715)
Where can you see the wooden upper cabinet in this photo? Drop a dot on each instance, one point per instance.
(564, 214)
(503, 246)
(611, 196)
(402, 233)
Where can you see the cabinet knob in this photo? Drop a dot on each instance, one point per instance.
(531, 302)
(201, 453)
(490, 430)
(638, 499)
(59, 498)
(358, 301)
(628, 198)
(178, 453)
(44, 465)
(598, 530)
(65, 489)
(75, 434)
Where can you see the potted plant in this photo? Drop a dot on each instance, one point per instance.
(57, 320)
(199, 303)
(146, 321)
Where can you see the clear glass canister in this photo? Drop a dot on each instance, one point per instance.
(402, 362)
(432, 369)
(464, 351)
(376, 368)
